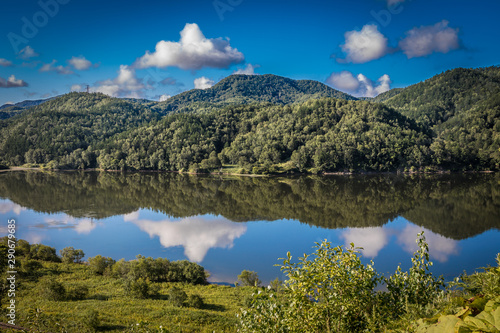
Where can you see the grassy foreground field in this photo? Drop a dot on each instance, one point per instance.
(117, 312)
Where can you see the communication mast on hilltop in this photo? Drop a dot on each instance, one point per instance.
(88, 89)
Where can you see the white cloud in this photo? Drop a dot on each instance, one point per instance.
(126, 84)
(85, 226)
(131, 216)
(440, 247)
(425, 40)
(193, 51)
(9, 206)
(81, 226)
(12, 82)
(360, 85)
(163, 98)
(344, 81)
(369, 89)
(196, 234)
(5, 62)
(34, 238)
(248, 70)
(57, 69)
(27, 53)
(76, 87)
(365, 45)
(372, 240)
(203, 83)
(80, 63)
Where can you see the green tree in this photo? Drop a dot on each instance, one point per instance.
(70, 255)
(249, 278)
(43, 252)
(99, 264)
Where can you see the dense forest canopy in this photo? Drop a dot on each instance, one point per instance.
(268, 124)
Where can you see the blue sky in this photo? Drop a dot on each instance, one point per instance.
(135, 49)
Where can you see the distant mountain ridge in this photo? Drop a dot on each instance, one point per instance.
(27, 104)
(10, 110)
(247, 89)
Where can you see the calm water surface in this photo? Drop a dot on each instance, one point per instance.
(228, 224)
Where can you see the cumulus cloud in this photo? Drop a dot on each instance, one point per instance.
(248, 70)
(196, 234)
(163, 98)
(27, 53)
(57, 69)
(372, 240)
(425, 40)
(365, 45)
(344, 81)
(5, 62)
(126, 84)
(12, 82)
(371, 89)
(360, 85)
(193, 51)
(80, 63)
(203, 83)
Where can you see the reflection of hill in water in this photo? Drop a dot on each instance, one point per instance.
(456, 206)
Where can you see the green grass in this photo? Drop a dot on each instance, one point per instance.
(121, 313)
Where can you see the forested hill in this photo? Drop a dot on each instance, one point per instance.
(446, 95)
(268, 124)
(247, 89)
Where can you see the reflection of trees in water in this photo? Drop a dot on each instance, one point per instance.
(456, 206)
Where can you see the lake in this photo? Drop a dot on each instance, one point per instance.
(228, 223)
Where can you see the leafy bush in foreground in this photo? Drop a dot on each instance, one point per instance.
(332, 291)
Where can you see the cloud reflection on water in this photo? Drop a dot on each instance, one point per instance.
(373, 240)
(9, 206)
(196, 234)
(82, 226)
(440, 247)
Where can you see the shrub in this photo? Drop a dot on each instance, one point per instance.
(177, 296)
(330, 291)
(141, 288)
(30, 266)
(77, 293)
(416, 287)
(195, 301)
(91, 320)
(52, 290)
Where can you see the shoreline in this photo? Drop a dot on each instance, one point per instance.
(336, 173)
